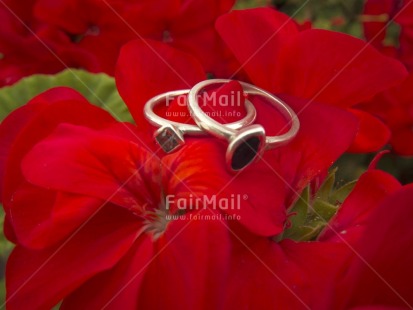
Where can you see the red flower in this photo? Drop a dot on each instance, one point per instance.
(375, 222)
(326, 273)
(46, 36)
(360, 260)
(384, 277)
(84, 195)
(187, 25)
(282, 275)
(404, 19)
(91, 25)
(34, 47)
(377, 16)
(317, 65)
(395, 108)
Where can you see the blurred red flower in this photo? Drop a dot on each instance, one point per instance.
(378, 15)
(395, 108)
(375, 19)
(405, 20)
(46, 36)
(34, 47)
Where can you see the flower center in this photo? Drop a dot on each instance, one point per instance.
(93, 30)
(167, 37)
(156, 223)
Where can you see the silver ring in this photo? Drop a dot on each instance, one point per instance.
(170, 135)
(246, 144)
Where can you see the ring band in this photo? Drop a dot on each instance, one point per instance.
(170, 135)
(247, 143)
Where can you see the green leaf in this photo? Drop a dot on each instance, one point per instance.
(325, 190)
(297, 217)
(5, 245)
(2, 291)
(338, 196)
(304, 233)
(324, 209)
(311, 213)
(299, 210)
(5, 249)
(99, 89)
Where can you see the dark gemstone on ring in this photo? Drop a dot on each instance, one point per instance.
(168, 139)
(245, 153)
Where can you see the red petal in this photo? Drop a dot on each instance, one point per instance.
(372, 134)
(287, 169)
(335, 68)
(18, 120)
(320, 141)
(8, 230)
(190, 265)
(41, 278)
(208, 47)
(51, 216)
(23, 128)
(118, 287)
(93, 26)
(405, 14)
(289, 275)
(195, 14)
(10, 128)
(323, 66)
(406, 44)
(256, 37)
(375, 161)
(371, 189)
(395, 109)
(192, 30)
(385, 276)
(104, 165)
(148, 68)
(255, 197)
(401, 141)
(62, 14)
(375, 31)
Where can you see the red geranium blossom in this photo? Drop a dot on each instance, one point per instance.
(377, 16)
(375, 221)
(395, 108)
(185, 24)
(317, 65)
(28, 47)
(46, 36)
(362, 261)
(84, 195)
(405, 20)
(91, 25)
